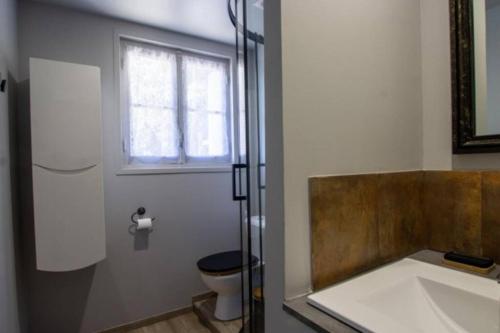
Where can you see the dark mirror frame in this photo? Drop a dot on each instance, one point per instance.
(465, 139)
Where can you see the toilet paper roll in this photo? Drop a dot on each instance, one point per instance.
(145, 223)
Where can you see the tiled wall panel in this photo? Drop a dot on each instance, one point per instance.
(361, 221)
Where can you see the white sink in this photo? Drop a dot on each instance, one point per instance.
(413, 296)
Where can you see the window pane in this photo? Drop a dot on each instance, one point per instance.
(152, 133)
(205, 134)
(151, 74)
(205, 101)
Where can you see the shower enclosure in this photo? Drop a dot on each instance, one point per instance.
(247, 17)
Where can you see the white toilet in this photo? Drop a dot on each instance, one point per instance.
(221, 272)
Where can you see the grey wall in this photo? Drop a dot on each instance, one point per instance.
(142, 276)
(9, 319)
(8, 33)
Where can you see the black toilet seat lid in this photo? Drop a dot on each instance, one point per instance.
(223, 262)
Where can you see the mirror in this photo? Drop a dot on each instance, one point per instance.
(487, 65)
(475, 51)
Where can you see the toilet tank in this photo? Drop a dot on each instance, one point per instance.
(256, 221)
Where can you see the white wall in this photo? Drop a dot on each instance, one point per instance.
(351, 102)
(436, 85)
(195, 213)
(344, 95)
(9, 319)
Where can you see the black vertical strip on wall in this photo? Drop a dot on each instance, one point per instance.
(248, 162)
(239, 162)
(259, 162)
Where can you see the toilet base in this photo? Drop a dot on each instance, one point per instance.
(228, 307)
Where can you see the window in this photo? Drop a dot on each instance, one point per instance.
(176, 106)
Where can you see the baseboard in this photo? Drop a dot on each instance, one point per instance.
(147, 321)
(201, 297)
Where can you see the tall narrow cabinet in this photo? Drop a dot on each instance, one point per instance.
(66, 151)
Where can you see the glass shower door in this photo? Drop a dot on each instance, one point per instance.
(249, 169)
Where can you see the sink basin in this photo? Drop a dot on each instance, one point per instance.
(413, 296)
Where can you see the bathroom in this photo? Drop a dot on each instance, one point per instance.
(371, 139)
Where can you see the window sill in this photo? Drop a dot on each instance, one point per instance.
(172, 169)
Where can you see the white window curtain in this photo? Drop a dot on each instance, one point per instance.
(205, 84)
(152, 101)
(177, 104)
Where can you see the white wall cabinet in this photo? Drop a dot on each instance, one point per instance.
(66, 143)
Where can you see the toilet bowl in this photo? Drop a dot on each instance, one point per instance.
(221, 272)
(228, 289)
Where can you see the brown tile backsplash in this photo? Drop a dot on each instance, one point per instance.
(452, 207)
(490, 234)
(345, 226)
(359, 222)
(401, 226)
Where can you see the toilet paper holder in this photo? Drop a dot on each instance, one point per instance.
(139, 212)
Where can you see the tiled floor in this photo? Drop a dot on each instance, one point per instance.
(186, 323)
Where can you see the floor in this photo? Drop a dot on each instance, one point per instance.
(185, 323)
(201, 320)
(205, 311)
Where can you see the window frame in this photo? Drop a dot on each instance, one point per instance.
(182, 164)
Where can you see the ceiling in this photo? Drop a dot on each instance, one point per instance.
(204, 18)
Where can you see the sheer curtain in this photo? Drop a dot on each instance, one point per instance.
(205, 103)
(152, 100)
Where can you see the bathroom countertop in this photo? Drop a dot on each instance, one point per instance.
(324, 323)
(314, 318)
